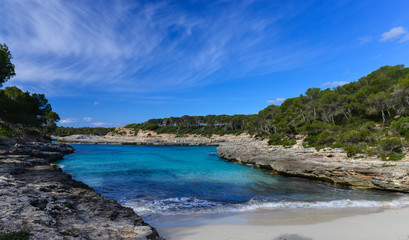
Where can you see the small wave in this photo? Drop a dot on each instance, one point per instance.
(188, 206)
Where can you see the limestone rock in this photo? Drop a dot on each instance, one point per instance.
(331, 165)
(37, 197)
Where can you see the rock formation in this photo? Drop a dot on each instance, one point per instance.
(331, 165)
(38, 198)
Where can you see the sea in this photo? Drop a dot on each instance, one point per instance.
(160, 181)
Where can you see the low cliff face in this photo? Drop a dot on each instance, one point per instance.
(152, 138)
(331, 165)
(38, 198)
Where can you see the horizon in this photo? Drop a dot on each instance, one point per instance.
(120, 62)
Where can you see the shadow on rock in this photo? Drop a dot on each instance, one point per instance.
(291, 237)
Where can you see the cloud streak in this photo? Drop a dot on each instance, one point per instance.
(393, 34)
(68, 120)
(63, 47)
(334, 84)
(277, 100)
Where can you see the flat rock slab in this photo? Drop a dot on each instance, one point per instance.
(37, 197)
(330, 165)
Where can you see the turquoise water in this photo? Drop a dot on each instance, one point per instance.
(172, 180)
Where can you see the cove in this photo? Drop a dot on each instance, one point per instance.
(161, 181)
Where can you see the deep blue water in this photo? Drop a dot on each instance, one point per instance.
(169, 180)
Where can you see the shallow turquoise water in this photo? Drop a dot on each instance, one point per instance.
(171, 180)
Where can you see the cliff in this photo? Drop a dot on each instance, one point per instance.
(126, 136)
(331, 165)
(38, 198)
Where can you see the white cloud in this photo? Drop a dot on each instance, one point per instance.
(96, 103)
(104, 124)
(405, 38)
(68, 120)
(87, 119)
(277, 100)
(393, 34)
(364, 40)
(334, 84)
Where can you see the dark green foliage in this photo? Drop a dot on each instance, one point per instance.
(352, 150)
(66, 131)
(401, 126)
(15, 236)
(22, 113)
(390, 148)
(199, 125)
(6, 67)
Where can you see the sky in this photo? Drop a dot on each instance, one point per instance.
(111, 63)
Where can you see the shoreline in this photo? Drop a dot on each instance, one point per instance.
(305, 224)
(326, 165)
(295, 225)
(38, 198)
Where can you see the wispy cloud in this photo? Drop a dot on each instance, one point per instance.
(277, 100)
(364, 40)
(105, 124)
(405, 38)
(394, 34)
(68, 120)
(63, 47)
(87, 119)
(334, 84)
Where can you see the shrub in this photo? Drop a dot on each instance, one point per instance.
(274, 139)
(390, 149)
(401, 126)
(352, 150)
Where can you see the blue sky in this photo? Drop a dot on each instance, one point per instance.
(110, 63)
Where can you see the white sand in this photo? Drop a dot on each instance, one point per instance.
(346, 224)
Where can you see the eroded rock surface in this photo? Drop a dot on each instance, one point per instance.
(37, 197)
(331, 165)
(152, 138)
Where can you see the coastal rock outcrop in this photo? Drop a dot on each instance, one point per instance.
(331, 165)
(38, 198)
(152, 138)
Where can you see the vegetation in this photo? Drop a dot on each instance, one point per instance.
(200, 125)
(22, 113)
(15, 236)
(368, 116)
(66, 131)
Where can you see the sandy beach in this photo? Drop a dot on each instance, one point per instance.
(349, 223)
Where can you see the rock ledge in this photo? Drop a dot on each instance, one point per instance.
(38, 198)
(330, 165)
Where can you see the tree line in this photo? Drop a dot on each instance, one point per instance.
(67, 131)
(369, 116)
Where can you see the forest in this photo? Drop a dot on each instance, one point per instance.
(67, 131)
(367, 116)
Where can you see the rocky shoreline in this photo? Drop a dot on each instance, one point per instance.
(36, 197)
(329, 165)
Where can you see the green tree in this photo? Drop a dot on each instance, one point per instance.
(6, 67)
